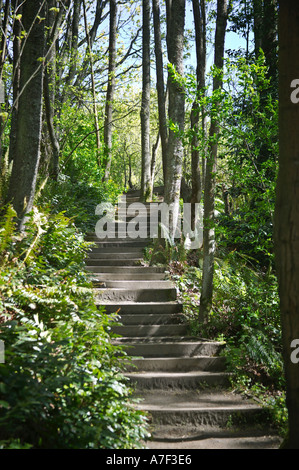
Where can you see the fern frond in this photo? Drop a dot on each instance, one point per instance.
(7, 229)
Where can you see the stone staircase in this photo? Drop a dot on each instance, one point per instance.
(181, 380)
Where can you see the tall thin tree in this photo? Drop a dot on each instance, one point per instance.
(146, 186)
(110, 89)
(176, 106)
(287, 207)
(199, 14)
(160, 84)
(26, 157)
(211, 167)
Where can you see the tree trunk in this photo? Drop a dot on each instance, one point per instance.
(200, 40)
(269, 41)
(95, 109)
(15, 83)
(110, 89)
(49, 93)
(28, 130)
(155, 147)
(210, 177)
(146, 187)
(176, 107)
(287, 207)
(160, 84)
(257, 25)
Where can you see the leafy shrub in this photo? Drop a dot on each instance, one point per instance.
(60, 384)
(77, 199)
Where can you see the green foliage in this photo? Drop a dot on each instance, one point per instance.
(249, 161)
(78, 199)
(245, 315)
(60, 384)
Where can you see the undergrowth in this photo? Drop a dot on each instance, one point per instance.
(60, 385)
(245, 315)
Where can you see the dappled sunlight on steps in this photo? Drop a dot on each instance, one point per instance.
(181, 380)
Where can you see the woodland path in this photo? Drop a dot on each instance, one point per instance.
(181, 380)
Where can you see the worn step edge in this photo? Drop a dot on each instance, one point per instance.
(117, 249)
(102, 277)
(155, 349)
(114, 262)
(140, 284)
(114, 255)
(134, 308)
(150, 330)
(211, 416)
(126, 269)
(178, 364)
(150, 319)
(139, 295)
(173, 380)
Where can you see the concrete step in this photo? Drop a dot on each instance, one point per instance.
(129, 213)
(164, 347)
(98, 255)
(151, 319)
(138, 217)
(150, 330)
(134, 270)
(155, 286)
(118, 249)
(178, 364)
(206, 408)
(130, 200)
(134, 295)
(117, 242)
(143, 308)
(103, 277)
(177, 380)
(212, 438)
(114, 262)
(157, 190)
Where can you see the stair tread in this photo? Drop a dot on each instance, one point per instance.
(180, 379)
(192, 373)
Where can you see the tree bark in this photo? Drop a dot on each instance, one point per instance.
(49, 93)
(269, 41)
(15, 82)
(199, 13)
(22, 184)
(146, 187)
(176, 107)
(257, 25)
(110, 89)
(95, 109)
(160, 84)
(287, 206)
(211, 167)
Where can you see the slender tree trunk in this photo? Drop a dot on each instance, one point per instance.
(49, 93)
(15, 83)
(258, 25)
(3, 42)
(155, 147)
(95, 109)
(27, 150)
(269, 41)
(74, 41)
(176, 108)
(210, 178)
(287, 207)
(110, 89)
(160, 84)
(199, 14)
(146, 187)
